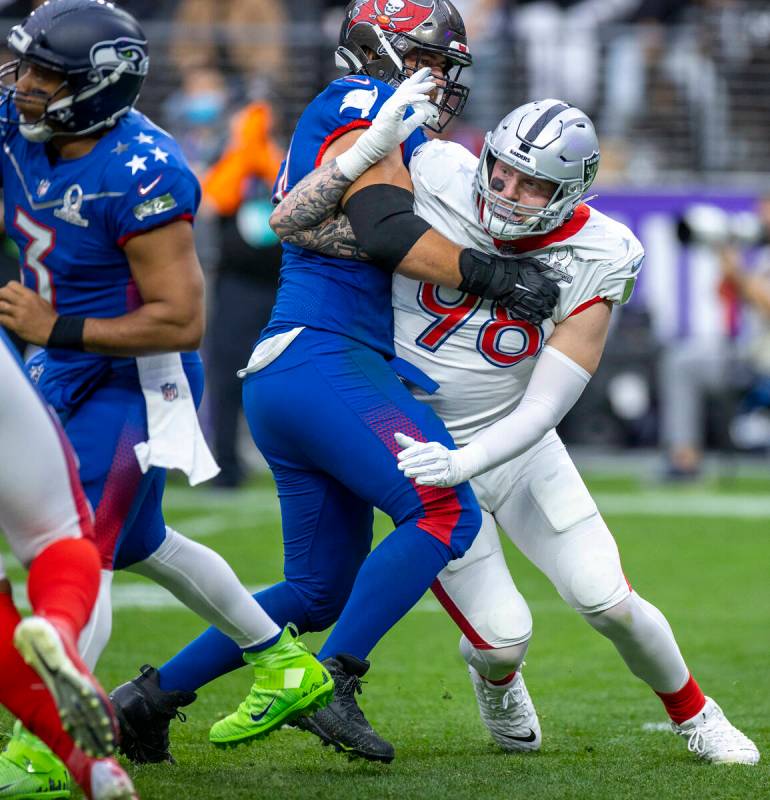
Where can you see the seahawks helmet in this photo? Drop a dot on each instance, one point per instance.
(377, 34)
(100, 52)
(548, 139)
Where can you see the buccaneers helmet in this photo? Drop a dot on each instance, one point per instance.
(100, 52)
(547, 139)
(376, 35)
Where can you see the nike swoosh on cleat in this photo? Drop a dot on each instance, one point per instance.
(531, 738)
(258, 717)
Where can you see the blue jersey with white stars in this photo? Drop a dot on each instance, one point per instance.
(334, 294)
(72, 217)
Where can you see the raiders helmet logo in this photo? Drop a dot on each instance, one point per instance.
(590, 168)
(108, 55)
(394, 16)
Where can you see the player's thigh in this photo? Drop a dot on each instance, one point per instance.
(552, 518)
(337, 412)
(40, 496)
(327, 530)
(479, 594)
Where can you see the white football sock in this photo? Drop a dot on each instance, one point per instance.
(645, 641)
(96, 634)
(205, 583)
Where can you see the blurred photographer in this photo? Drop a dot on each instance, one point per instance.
(736, 357)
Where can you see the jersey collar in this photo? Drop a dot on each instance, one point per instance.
(529, 243)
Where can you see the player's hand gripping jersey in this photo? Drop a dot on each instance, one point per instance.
(443, 331)
(317, 291)
(71, 218)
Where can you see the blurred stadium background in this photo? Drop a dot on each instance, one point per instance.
(679, 93)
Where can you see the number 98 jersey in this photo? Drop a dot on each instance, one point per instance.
(478, 353)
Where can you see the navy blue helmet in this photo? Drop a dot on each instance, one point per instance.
(101, 53)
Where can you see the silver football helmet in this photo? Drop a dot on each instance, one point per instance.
(548, 139)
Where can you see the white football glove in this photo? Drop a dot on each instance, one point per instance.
(430, 463)
(389, 128)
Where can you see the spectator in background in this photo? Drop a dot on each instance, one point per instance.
(245, 37)
(696, 369)
(237, 190)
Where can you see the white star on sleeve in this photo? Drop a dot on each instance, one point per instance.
(160, 155)
(137, 164)
(143, 138)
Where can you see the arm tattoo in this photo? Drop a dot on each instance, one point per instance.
(333, 237)
(314, 199)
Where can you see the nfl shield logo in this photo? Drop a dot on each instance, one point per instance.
(169, 392)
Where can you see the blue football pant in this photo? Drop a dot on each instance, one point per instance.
(324, 416)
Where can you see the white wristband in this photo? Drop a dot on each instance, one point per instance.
(352, 163)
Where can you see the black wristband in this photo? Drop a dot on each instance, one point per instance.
(486, 275)
(67, 333)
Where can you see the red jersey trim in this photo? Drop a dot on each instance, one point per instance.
(583, 306)
(123, 239)
(335, 134)
(565, 231)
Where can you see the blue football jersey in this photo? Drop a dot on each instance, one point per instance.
(333, 294)
(72, 217)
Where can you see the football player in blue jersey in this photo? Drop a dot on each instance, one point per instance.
(100, 202)
(323, 392)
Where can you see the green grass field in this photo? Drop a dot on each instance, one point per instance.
(702, 555)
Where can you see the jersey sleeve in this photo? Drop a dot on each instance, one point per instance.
(610, 275)
(155, 198)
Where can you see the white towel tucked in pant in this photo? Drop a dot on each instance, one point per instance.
(175, 437)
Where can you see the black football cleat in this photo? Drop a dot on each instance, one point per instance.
(342, 724)
(144, 713)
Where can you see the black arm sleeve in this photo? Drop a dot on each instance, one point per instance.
(384, 222)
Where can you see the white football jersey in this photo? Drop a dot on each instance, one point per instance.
(480, 356)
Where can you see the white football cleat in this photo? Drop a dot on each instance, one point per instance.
(85, 711)
(110, 782)
(712, 737)
(508, 712)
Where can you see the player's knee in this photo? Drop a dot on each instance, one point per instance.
(615, 621)
(494, 663)
(321, 604)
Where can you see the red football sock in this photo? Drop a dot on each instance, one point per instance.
(685, 703)
(64, 582)
(502, 681)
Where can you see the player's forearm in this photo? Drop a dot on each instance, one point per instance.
(434, 259)
(153, 328)
(313, 200)
(333, 237)
(555, 386)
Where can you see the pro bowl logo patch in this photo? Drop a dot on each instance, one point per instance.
(169, 391)
(110, 54)
(395, 16)
(360, 99)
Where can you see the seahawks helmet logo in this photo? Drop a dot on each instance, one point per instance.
(106, 56)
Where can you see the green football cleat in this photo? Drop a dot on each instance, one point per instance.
(288, 682)
(30, 771)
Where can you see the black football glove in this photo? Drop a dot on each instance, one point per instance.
(523, 285)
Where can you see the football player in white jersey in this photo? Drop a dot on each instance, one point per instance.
(502, 387)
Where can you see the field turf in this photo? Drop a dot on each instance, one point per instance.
(702, 555)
